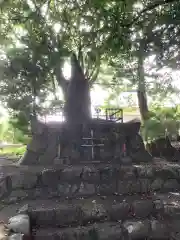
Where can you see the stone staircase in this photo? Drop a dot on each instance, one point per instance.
(95, 201)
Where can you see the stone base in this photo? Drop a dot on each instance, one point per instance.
(19, 183)
(67, 144)
(95, 201)
(134, 217)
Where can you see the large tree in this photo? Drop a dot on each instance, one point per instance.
(154, 32)
(49, 32)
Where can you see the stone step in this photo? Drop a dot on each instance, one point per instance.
(73, 191)
(78, 181)
(85, 211)
(76, 212)
(89, 173)
(146, 229)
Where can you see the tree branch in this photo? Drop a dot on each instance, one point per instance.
(148, 8)
(31, 14)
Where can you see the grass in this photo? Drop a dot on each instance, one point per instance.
(13, 152)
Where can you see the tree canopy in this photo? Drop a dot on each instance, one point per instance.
(37, 37)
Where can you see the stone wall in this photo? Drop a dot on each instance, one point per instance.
(162, 147)
(46, 140)
(88, 181)
(96, 201)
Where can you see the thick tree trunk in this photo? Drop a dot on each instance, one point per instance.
(141, 91)
(34, 95)
(76, 93)
(78, 104)
(142, 101)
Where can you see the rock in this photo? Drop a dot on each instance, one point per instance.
(175, 236)
(98, 231)
(174, 225)
(106, 188)
(145, 171)
(15, 196)
(126, 160)
(135, 187)
(24, 209)
(24, 180)
(136, 143)
(29, 158)
(160, 230)
(171, 185)
(138, 229)
(68, 215)
(44, 216)
(142, 209)
(84, 189)
(127, 172)
(76, 189)
(128, 187)
(176, 157)
(166, 173)
(108, 174)
(137, 149)
(5, 186)
(141, 156)
(90, 174)
(109, 232)
(50, 177)
(145, 185)
(16, 236)
(159, 207)
(72, 174)
(20, 224)
(157, 184)
(162, 148)
(172, 211)
(119, 211)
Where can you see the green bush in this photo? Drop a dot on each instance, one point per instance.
(162, 122)
(13, 151)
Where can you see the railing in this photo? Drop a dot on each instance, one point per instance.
(113, 114)
(57, 114)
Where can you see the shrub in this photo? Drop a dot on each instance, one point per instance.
(162, 122)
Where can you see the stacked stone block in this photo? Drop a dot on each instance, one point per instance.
(102, 201)
(47, 139)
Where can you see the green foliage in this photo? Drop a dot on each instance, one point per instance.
(13, 151)
(3, 128)
(162, 122)
(14, 130)
(38, 36)
(20, 122)
(20, 127)
(156, 33)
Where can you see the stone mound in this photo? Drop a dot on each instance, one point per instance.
(98, 139)
(92, 181)
(93, 201)
(162, 147)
